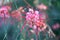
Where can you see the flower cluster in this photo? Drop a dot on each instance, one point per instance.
(15, 14)
(34, 18)
(4, 12)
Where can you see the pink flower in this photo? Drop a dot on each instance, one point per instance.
(42, 6)
(36, 15)
(56, 26)
(36, 20)
(7, 7)
(32, 17)
(16, 14)
(4, 12)
(28, 16)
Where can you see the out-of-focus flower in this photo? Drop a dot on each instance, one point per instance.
(28, 16)
(32, 17)
(36, 19)
(43, 17)
(4, 11)
(16, 14)
(41, 25)
(56, 26)
(7, 7)
(36, 16)
(42, 7)
(37, 22)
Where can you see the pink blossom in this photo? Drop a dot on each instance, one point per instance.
(42, 6)
(56, 26)
(16, 14)
(32, 17)
(4, 12)
(36, 15)
(36, 19)
(28, 16)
